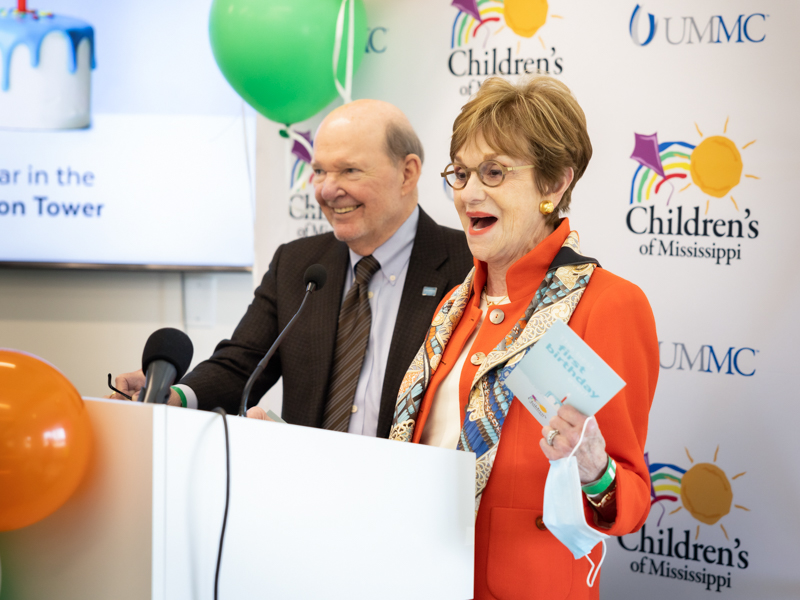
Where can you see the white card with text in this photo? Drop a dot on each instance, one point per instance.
(562, 369)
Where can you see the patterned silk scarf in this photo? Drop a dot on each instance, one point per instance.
(489, 398)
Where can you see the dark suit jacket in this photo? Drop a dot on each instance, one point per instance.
(440, 258)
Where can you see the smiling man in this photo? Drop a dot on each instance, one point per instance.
(343, 363)
(367, 161)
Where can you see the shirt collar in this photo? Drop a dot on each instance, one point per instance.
(394, 253)
(525, 275)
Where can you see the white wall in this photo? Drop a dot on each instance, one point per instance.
(90, 323)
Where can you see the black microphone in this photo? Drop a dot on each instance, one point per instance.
(314, 278)
(166, 357)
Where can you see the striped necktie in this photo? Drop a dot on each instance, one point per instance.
(355, 320)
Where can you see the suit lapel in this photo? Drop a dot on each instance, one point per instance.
(415, 313)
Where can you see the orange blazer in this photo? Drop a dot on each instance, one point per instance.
(515, 556)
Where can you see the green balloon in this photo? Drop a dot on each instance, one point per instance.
(278, 54)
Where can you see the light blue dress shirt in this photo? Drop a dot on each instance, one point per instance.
(386, 287)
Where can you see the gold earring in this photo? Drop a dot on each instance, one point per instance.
(546, 207)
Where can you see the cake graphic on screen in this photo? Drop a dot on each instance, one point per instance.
(47, 62)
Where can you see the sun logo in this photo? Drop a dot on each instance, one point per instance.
(523, 17)
(714, 165)
(704, 490)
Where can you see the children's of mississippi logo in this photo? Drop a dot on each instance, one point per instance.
(489, 37)
(303, 207)
(705, 492)
(672, 176)
(301, 173)
(524, 17)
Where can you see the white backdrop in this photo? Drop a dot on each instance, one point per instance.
(715, 81)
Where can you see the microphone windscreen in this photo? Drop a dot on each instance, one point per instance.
(317, 275)
(171, 345)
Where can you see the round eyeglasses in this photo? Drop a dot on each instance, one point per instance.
(490, 172)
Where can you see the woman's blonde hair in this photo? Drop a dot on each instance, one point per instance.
(537, 119)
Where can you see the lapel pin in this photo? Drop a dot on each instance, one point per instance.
(429, 291)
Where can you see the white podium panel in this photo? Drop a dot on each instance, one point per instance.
(313, 514)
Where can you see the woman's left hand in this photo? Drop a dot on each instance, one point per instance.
(591, 455)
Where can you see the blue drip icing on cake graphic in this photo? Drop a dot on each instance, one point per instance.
(46, 70)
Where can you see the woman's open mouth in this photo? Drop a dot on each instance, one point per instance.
(481, 224)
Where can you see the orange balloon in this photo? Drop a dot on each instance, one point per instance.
(45, 439)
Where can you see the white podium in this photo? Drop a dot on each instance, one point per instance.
(313, 514)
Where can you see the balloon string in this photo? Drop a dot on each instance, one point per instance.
(295, 136)
(300, 139)
(346, 91)
(350, 45)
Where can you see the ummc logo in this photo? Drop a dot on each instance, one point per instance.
(689, 30)
(376, 43)
(733, 361)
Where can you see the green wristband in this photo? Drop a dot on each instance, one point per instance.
(180, 393)
(601, 485)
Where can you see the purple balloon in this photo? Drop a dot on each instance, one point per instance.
(468, 6)
(645, 152)
(299, 150)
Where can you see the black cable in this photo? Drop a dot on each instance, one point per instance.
(227, 497)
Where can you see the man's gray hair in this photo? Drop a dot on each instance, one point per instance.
(401, 140)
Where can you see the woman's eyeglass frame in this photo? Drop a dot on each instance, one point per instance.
(477, 170)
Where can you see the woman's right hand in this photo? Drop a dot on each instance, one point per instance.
(129, 383)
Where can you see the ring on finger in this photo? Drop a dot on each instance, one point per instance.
(551, 436)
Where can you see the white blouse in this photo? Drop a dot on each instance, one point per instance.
(443, 426)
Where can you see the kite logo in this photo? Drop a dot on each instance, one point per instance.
(705, 492)
(634, 27)
(478, 23)
(301, 174)
(745, 28)
(715, 167)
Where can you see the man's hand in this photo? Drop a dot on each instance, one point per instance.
(258, 413)
(132, 384)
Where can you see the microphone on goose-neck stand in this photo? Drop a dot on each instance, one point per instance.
(314, 279)
(165, 359)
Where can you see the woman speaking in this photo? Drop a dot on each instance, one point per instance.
(517, 152)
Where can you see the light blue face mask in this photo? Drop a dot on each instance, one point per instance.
(563, 510)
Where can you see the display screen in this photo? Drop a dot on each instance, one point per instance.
(121, 144)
